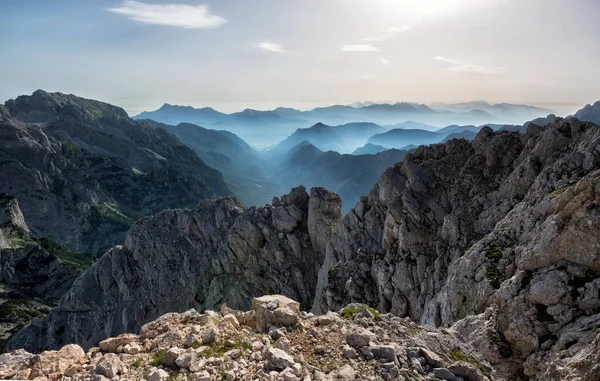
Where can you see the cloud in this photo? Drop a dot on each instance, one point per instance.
(391, 32)
(359, 48)
(270, 46)
(177, 15)
(462, 66)
(384, 60)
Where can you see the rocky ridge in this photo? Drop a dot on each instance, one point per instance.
(273, 341)
(498, 237)
(79, 166)
(218, 252)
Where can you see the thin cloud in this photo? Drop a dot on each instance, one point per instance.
(391, 32)
(359, 48)
(384, 60)
(270, 46)
(177, 15)
(462, 66)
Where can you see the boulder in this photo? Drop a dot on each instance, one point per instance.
(275, 310)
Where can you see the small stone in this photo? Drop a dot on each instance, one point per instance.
(384, 352)
(432, 358)
(232, 320)
(276, 333)
(132, 349)
(319, 349)
(345, 373)
(349, 352)
(185, 360)
(108, 366)
(276, 359)
(209, 336)
(360, 337)
(158, 375)
(171, 356)
(444, 374)
(284, 344)
(462, 369)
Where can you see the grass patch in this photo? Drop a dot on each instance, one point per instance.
(219, 348)
(350, 312)
(413, 329)
(493, 276)
(77, 261)
(137, 363)
(158, 357)
(70, 146)
(494, 253)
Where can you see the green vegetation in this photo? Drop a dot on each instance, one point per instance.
(219, 348)
(22, 310)
(457, 355)
(111, 213)
(492, 273)
(77, 261)
(348, 313)
(158, 356)
(223, 375)
(137, 362)
(413, 329)
(494, 253)
(493, 276)
(70, 146)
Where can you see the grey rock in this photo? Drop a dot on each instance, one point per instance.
(360, 337)
(276, 359)
(384, 352)
(275, 310)
(203, 249)
(444, 374)
(109, 366)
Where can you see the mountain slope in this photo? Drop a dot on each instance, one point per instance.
(34, 273)
(83, 171)
(369, 149)
(241, 165)
(590, 113)
(218, 252)
(403, 137)
(343, 138)
(351, 176)
(500, 232)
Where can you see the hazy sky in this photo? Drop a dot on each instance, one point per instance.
(266, 53)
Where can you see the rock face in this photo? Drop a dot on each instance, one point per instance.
(590, 113)
(508, 222)
(34, 273)
(169, 348)
(219, 252)
(78, 168)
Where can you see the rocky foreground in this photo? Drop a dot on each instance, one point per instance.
(273, 341)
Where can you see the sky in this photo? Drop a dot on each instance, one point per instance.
(262, 54)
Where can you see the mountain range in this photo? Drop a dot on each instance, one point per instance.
(265, 128)
(84, 171)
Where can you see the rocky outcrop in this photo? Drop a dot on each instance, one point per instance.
(508, 222)
(590, 113)
(78, 168)
(191, 346)
(34, 273)
(219, 252)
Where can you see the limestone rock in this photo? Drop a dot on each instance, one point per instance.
(274, 310)
(276, 359)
